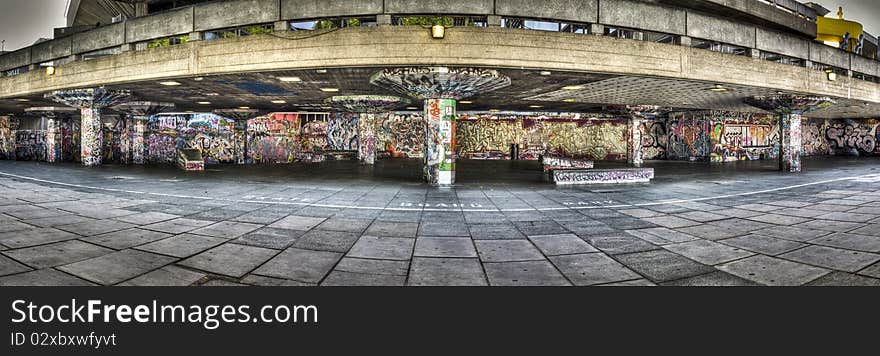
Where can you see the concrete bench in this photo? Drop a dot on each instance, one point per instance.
(190, 159)
(603, 176)
(562, 163)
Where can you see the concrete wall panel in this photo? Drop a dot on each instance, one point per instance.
(717, 29)
(51, 50)
(865, 65)
(642, 15)
(480, 7)
(170, 23)
(17, 59)
(223, 14)
(823, 54)
(782, 43)
(571, 10)
(306, 9)
(100, 38)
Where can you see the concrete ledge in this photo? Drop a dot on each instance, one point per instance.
(603, 176)
(190, 159)
(562, 163)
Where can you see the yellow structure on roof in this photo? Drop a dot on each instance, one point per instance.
(833, 31)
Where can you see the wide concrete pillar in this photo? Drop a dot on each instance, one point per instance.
(440, 88)
(90, 102)
(790, 109)
(368, 108)
(239, 132)
(634, 142)
(137, 114)
(53, 116)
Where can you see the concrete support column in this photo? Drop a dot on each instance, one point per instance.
(90, 102)
(791, 147)
(493, 20)
(686, 41)
(137, 115)
(281, 26)
(138, 149)
(367, 141)
(53, 140)
(196, 36)
(440, 141)
(597, 29)
(383, 19)
(755, 53)
(634, 142)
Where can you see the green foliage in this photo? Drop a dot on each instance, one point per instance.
(257, 30)
(427, 20)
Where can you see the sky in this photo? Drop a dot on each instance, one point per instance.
(24, 21)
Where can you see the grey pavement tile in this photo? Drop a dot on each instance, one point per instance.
(100, 212)
(218, 214)
(168, 276)
(545, 227)
(56, 254)
(445, 247)
(348, 225)
(226, 229)
(97, 227)
(507, 251)
(383, 248)
(446, 272)
(714, 279)
(525, 273)
(848, 217)
(495, 232)
(182, 246)
(777, 219)
(584, 228)
(738, 213)
(764, 208)
(850, 241)
(117, 266)
(322, 240)
(33, 237)
(789, 203)
(369, 266)
(793, 233)
(566, 244)
(218, 282)
(592, 268)
(832, 207)
(258, 280)
(701, 216)
(262, 216)
(36, 213)
(711, 232)
(803, 213)
(43, 278)
(232, 260)
(871, 271)
(342, 278)
(835, 279)
(873, 210)
(833, 258)
(633, 283)
(296, 222)
(764, 244)
(773, 271)
(708, 252)
(829, 225)
(58, 220)
(443, 228)
(300, 265)
(671, 222)
(392, 229)
(627, 223)
(146, 218)
(8, 226)
(123, 239)
(661, 235)
(737, 224)
(268, 237)
(869, 229)
(662, 265)
(620, 243)
(641, 213)
(10, 266)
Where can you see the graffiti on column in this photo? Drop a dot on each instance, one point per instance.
(342, 133)
(654, 138)
(367, 142)
(70, 140)
(138, 147)
(791, 146)
(92, 137)
(53, 140)
(634, 142)
(440, 141)
(688, 138)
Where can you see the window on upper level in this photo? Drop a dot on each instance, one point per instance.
(640, 35)
(545, 25)
(719, 47)
(782, 59)
(239, 31)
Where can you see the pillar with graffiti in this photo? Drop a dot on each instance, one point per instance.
(790, 109)
(440, 88)
(137, 114)
(90, 102)
(368, 108)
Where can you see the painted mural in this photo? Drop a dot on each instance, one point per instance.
(342, 134)
(367, 141)
(70, 140)
(91, 146)
(402, 135)
(852, 137)
(30, 145)
(813, 132)
(654, 140)
(440, 140)
(488, 139)
(272, 139)
(211, 134)
(8, 125)
(688, 137)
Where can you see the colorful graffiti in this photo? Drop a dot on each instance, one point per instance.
(70, 140)
(92, 137)
(214, 136)
(342, 134)
(654, 140)
(813, 132)
(790, 144)
(272, 139)
(30, 145)
(53, 140)
(440, 140)
(688, 137)
(485, 138)
(367, 141)
(850, 137)
(402, 135)
(8, 125)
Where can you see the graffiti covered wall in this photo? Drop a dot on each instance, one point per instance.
(30, 145)
(8, 125)
(654, 140)
(272, 139)
(211, 134)
(852, 137)
(402, 135)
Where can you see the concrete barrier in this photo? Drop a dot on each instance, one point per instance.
(603, 176)
(190, 159)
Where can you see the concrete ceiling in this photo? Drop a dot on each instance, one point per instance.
(529, 88)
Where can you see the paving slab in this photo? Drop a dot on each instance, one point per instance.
(56, 254)
(708, 252)
(842, 279)
(848, 217)
(119, 240)
(322, 240)
(146, 218)
(369, 266)
(446, 272)
(268, 237)
(9, 266)
(777, 219)
(117, 266)
(232, 260)
(258, 280)
(661, 235)
(661, 265)
(183, 245)
(383, 248)
(445, 247)
(495, 232)
(507, 251)
(830, 225)
(792, 233)
(714, 279)
(620, 243)
(8, 226)
(178, 226)
(342, 278)
(226, 229)
(58, 220)
(392, 229)
(33, 237)
(565, 244)
(443, 228)
(300, 265)
(526, 273)
(833, 258)
(764, 244)
(296, 222)
(96, 227)
(592, 268)
(850, 241)
(168, 276)
(773, 271)
(43, 278)
(343, 224)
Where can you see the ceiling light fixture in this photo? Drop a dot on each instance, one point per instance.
(244, 107)
(198, 79)
(169, 83)
(279, 102)
(290, 79)
(568, 100)
(535, 106)
(545, 73)
(22, 100)
(573, 87)
(465, 102)
(204, 103)
(438, 32)
(321, 71)
(330, 90)
(213, 94)
(50, 70)
(411, 108)
(718, 88)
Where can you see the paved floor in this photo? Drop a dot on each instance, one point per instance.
(341, 224)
